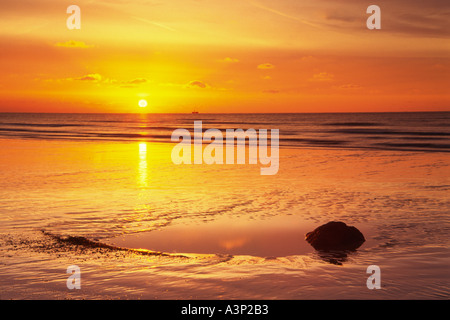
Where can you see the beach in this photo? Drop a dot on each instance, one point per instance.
(140, 227)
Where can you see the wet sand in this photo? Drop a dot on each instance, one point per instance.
(226, 232)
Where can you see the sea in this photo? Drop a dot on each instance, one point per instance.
(413, 131)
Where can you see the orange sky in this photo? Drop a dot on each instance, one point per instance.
(224, 56)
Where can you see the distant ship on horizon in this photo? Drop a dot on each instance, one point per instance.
(194, 112)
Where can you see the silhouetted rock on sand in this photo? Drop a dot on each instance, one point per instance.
(335, 236)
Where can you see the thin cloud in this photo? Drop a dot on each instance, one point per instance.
(350, 86)
(322, 76)
(229, 60)
(90, 77)
(73, 44)
(137, 81)
(282, 14)
(154, 23)
(415, 18)
(133, 83)
(197, 84)
(266, 66)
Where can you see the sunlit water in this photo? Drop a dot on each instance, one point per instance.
(228, 231)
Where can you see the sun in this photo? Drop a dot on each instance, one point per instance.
(142, 103)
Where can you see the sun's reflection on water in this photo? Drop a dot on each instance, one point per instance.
(143, 165)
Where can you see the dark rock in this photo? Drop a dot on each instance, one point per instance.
(335, 236)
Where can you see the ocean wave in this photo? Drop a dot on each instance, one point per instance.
(415, 145)
(50, 125)
(390, 132)
(353, 124)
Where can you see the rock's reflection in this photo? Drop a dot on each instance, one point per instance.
(337, 257)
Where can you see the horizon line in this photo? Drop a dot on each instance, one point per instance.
(147, 113)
